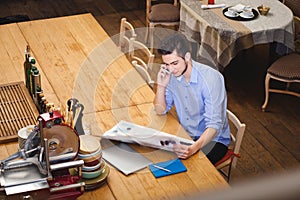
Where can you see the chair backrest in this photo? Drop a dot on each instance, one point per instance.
(126, 32)
(149, 5)
(143, 72)
(294, 5)
(141, 53)
(237, 135)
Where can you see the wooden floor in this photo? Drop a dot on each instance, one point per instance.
(272, 140)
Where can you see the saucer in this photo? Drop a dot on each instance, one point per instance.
(246, 16)
(227, 14)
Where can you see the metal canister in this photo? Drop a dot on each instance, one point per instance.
(35, 81)
(23, 134)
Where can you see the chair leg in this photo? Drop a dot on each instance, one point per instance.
(224, 174)
(151, 34)
(147, 32)
(229, 173)
(267, 85)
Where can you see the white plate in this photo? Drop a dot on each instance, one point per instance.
(246, 16)
(229, 15)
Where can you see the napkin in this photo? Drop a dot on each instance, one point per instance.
(238, 8)
(213, 6)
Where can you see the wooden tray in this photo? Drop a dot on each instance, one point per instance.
(17, 110)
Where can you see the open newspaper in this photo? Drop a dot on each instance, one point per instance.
(133, 133)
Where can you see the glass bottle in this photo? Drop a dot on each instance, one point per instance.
(27, 67)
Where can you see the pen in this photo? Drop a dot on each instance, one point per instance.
(161, 168)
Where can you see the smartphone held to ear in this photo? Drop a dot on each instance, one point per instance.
(166, 70)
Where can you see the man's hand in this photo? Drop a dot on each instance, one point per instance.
(184, 151)
(163, 76)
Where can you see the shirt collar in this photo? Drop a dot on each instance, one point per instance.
(179, 78)
(193, 75)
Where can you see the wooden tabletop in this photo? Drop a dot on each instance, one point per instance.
(78, 59)
(201, 175)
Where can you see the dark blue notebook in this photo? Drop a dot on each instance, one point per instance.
(167, 168)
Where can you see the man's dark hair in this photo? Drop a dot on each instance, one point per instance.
(174, 42)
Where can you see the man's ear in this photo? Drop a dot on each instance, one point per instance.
(187, 57)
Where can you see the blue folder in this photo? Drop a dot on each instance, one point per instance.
(174, 166)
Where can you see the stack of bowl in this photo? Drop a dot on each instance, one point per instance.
(94, 170)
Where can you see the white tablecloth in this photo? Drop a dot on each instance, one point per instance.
(221, 38)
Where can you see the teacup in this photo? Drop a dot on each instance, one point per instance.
(248, 13)
(247, 8)
(231, 12)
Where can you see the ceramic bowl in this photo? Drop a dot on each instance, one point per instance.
(92, 168)
(92, 156)
(89, 144)
(93, 162)
(93, 174)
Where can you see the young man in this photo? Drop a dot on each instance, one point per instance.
(199, 95)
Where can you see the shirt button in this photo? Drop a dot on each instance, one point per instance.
(187, 118)
(186, 97)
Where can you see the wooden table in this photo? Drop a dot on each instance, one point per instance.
(201, 175)
(77, 58)
(221, 38)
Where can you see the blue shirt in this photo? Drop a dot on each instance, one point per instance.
(201, 103)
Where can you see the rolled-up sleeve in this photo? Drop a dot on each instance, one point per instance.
(169, 100)
(215, 102)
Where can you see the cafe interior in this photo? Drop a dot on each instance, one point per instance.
(78, 80)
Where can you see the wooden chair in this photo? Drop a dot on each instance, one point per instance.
(294, 5)
(141, 53)
(165, 14)
(285, 69)
(144, 73)
(230, 159)
(126, 32)
(142, 60)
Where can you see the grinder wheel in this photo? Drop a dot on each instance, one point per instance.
(62, 139)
